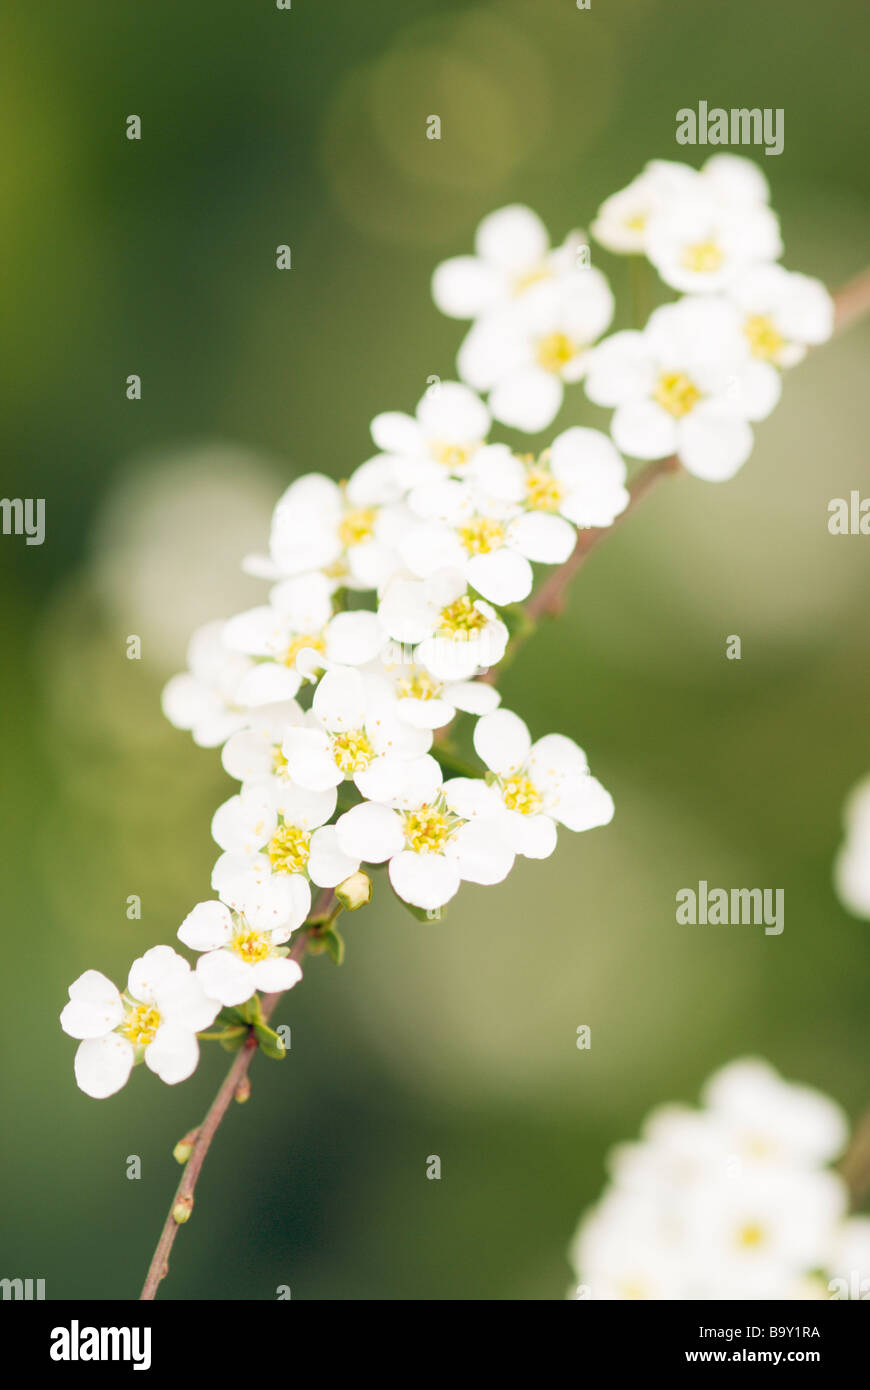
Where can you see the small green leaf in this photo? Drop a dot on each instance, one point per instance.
(270, 1043)
(233, 1042)
(334, 944)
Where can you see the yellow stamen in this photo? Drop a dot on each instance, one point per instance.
(750, 1236)
(352, 751)
(543, 492)
(451, 455)
(481, 535)
(251, 945)
(460, 619)
(676, 394)
(418, 685)
(141, 1024)
(764, 339)
(428, 829)
(525, 281)
(555, 351)
(703, 256)
(288, 849)
(299, 644)
(357, 526)
(521, 794)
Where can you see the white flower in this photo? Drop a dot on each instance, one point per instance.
(350, 734)
(698, 245)
(346, 529)
(489, 541)
(450, 427)
(299, 619)
(849, 1257)
(767, 1119)
(684, 386)
(782, 313)
(455, 635)
(580, 480)
(156, 1020)
(205, 699)
(522, 355)
(420, 699)
(538, 785)
(254, 754)
(237, 959)
(513, 255)
(275, 838)
(754, 1236)
(623, 220)
(431, 845)
(852, 866)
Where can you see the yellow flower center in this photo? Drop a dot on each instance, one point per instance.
(352, 751)
(356, 526)
(523, 282)
(299, 644)
(763, 338)
(141, 1024)
(418, 685)
(428, 829)
(451, 455)
(676, 393)
(633, 1289)
(521, 794)
(251, 945)
(481, 535)
(750, 1236)
(279, 763)
(703, 256)
(288, 849)
(460, 619)
(636, 223)
(555, 351)
(543, 492)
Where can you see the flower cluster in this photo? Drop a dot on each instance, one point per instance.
(393, 594)
(734, 1200)
(852, 865)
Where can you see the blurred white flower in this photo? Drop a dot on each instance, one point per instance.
(852, 865)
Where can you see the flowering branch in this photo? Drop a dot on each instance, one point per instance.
(233, 1085)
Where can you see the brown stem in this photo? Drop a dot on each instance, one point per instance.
(855, 1164)
(182, 1203)
(852, 302)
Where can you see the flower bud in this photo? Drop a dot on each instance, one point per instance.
(182, 1209)
(243, 1090)
(184, 1148)
(355, 891)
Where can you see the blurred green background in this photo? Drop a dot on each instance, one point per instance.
(307, 127)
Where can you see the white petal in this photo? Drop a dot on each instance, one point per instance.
(644, 430)
(328, 865)
(102, 1065)
(503, 576)
(528, 398)
(94, 1007)
(207, 927)
(354, 638)
(396, 432)
(173, 1054)
(267, 683)
(427, 881)
(756, 390)
(589, 806)
(309, 760)
(513, 238)
(276, 974)
(304, 808)
(225, 977)
(471, 798)
(473, 697)
(533, 836)
(465, 287)
(714, 444)
(371, 832)
(502, 741)
(546, 539)
(339, 700)
(159, 967)
(482, 854)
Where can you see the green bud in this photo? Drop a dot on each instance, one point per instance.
(182, 1209)
(355, 891)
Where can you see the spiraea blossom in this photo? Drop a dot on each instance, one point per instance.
(852, 865)
(154, 1021)
(735, 1200)
(393, 595)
